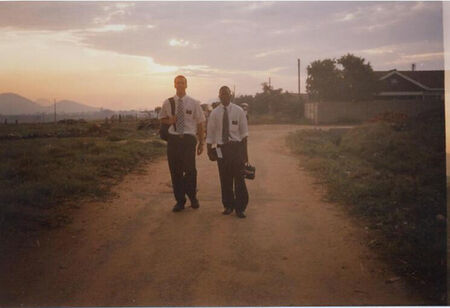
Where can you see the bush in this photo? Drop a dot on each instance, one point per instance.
(395, 179)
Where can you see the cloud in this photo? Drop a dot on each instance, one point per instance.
(111, 28)
(400, 56)
(54, 16)
(379, 50)
(272, 52)
(425, 56)
(347, 17)
(180, 43)
(258, 6)
(239, 37)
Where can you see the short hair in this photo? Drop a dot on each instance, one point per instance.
(223, 88)
(180, 76)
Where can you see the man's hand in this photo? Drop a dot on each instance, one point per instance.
(172, 119)
(244, 144)
(211, 155)
(200, 148)
(200, 137)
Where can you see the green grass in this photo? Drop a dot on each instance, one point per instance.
(393, 176)
(44, 173)
(256, 119)
(124, 129)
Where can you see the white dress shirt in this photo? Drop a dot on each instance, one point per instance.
(238, 124)
(193, 114)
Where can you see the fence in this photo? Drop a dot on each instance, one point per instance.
(353, 112)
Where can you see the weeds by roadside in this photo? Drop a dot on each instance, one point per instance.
(276, 119)
(393, 175)
(82, 161)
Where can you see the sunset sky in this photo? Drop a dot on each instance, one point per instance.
(125, 55)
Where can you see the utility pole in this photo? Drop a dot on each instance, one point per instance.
(54, 105)
(302, 109)
(270, 84)
(298, 60)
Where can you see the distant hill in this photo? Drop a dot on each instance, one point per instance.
(14, 104)
(66, 106)
(43, 101)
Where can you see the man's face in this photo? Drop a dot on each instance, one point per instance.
(225, 96)
(180, 84)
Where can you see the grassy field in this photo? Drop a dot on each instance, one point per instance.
(391, 174)
(45, 167)
(262, 119)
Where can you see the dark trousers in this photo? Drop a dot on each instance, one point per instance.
(231, 172)
(181, 157)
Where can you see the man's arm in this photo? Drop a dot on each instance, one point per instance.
(243, 130)
(169, 120)
(201, 119)
(166, 117)
(212, 154)
(201, 132)
(201, 137)
(244, 144)
(210, 138)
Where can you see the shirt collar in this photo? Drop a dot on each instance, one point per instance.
(228, 107)
(183, 98)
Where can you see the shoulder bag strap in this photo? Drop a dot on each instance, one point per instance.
(172, 107)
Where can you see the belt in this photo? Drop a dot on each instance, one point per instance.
(229, 143)
(181, 136)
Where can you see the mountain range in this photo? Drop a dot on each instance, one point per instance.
(14, 104)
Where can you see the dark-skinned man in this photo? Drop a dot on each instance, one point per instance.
(228, 130)
(187, 123)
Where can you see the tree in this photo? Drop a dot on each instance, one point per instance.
(274, 102)
(359, 81)
(324, 80)
(269, 97)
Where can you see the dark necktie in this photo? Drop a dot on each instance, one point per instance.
(180, 117)
(225, 126)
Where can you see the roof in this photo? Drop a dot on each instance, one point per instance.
(429, 79)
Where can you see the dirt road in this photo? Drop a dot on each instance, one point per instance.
(292, 249)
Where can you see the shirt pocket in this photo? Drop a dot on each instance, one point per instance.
(189, 113)
(234, 127)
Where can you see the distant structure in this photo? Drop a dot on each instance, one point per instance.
(406, 92)
(413, 84)
(149, 114)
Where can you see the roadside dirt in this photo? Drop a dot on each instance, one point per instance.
(292, 249)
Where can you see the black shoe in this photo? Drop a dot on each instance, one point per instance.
(240, 214)
(178, 207)
(195, 204)
(227, 211)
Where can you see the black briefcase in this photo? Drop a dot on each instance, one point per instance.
(250, 172)
(213, 155)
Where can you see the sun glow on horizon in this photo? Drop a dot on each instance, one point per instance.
(56, 64)
(158, 68)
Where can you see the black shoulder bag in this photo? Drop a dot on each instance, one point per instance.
(164, 128)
